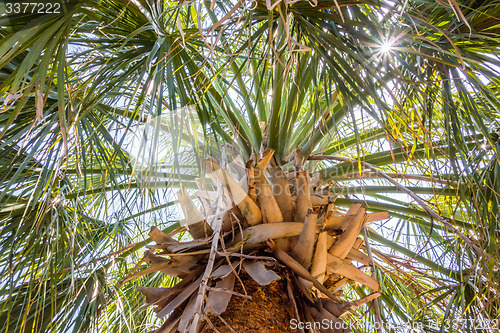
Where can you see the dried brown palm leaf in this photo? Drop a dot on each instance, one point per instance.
(328, 325)
(193, 245)
(358, 256)
(222, 271)
(153, 294)
(340, 309)
(341, 267)
(159, 237)
(299, 269)
(259, 272)
(170, 267)
(305, 286)
(187, 314)
(180, 298)
(171, 324)
(335, 287)
(173, 292)
(220, 295)
(291, 297)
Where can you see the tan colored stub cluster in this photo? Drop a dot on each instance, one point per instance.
(268, 222)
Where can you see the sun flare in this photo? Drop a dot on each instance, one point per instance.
(386, 47)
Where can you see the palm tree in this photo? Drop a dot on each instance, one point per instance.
(355, 110)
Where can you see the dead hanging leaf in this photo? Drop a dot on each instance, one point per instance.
(337, 285)
(334, 308)
(153, 294)
(341, 267)
(291, 297)
(320, 316)
(170, 325)
(221, 271)
(172, 267)
(340, 309)
(305, 286)
(299, 269)
(181, 298)
(309, 318)
(259, 272)
(191, 245)
(224, 270)
(356, 304)
(152, 259)
(160, 237)
(358, 256)
(182, 264)
(219, 299)
(187, 314)
(175, 291)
